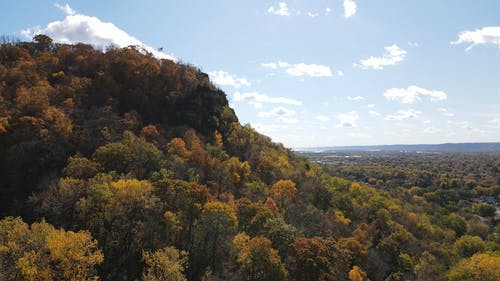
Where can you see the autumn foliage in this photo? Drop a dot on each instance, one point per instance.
(128, 167)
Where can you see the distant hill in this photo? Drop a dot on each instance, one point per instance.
(445, 147)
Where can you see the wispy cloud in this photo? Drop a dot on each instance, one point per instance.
(281, 114)
(312, 70)
(462, 125)
(65, 9)
(495, 123)
(257, 100)
(350, 8)
(413, 94)
(281, 10)
(348, 119)
(327, 11)
(223, 78)
(393, 54)
(403, 114)
(76, 28)
(485, 35)
(276, 65)
(301, 69)
(374, 113)
(356, 98)
(312, 15)
(276, 112)
(445, 112)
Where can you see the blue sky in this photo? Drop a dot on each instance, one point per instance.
(313, 73)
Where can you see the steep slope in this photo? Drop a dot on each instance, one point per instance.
(143, 160)
(57, 100)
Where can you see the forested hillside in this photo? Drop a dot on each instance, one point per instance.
(119, 166)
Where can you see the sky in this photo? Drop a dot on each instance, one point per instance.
(312, 73)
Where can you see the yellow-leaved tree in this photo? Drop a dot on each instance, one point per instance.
(42, 252)
(480, 267)
(167, 264)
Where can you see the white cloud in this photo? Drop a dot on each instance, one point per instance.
(223, 78)
(463, 125)
(348, 119)
(327, 11)
(393, 54)
(485, 35)
(413, 44)
(276, 65)
(413, 94)
(322, 118)
(270, 65)
(356, 98)
(371, 105)
(282, 114)
(284, 64)
(445, 112)
(495, 123)
(277, 112)
(301, 69)
(77, 28)
(65, 9)
(374, 113)
(312, 70)
(257, 99)
(349, 8)
(403, 114)
(282, 10)
(340, 73)
(312, 15)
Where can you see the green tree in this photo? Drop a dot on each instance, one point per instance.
(43, 42)
(258, 260)
(217, 226)
(468, 245)
(486, 210)
(80, 167)
(114, 157)
(126, 216)
(429, 268)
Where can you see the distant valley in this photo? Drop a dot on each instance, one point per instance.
(445, 147)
